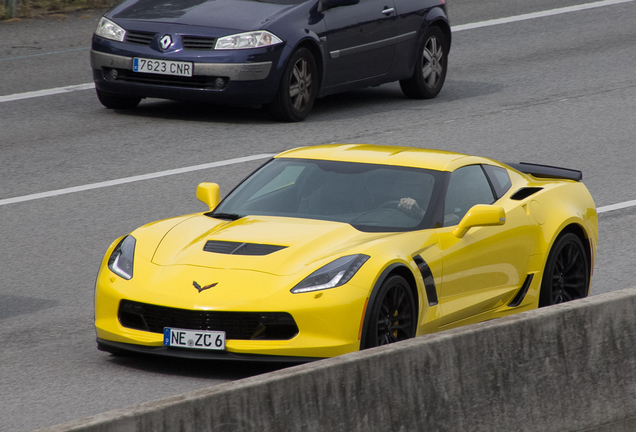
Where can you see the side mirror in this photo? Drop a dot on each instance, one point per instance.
(480, 215)
(209, 193)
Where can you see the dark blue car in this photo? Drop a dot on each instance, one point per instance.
(278, 53)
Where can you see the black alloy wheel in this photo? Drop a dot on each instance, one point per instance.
(298, 88)
(393, 316)
(115, 101)
(430, 67)
(566, 276)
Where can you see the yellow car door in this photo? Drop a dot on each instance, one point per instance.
(485, 266)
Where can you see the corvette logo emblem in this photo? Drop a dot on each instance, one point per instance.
(200, 288)
(165, 42)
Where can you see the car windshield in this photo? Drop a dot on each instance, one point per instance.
(369, 197)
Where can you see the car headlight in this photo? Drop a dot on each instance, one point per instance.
(121, 260)
(334, 274)
(248, 40)
(109, 30)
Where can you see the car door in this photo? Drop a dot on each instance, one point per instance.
(487, 266)
(360, 41)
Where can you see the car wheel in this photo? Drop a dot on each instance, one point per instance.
(298, 88)
(566, 274)
(114, 101)
(430, 67)
(393, 315)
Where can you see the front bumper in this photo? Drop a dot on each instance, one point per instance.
(231, 71)
(119, 348)
(328, 321)
(247, 79)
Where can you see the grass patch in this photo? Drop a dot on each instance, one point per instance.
(42, 8)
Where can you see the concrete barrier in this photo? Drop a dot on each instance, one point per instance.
(570, 367)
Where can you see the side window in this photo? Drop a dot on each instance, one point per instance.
(499, 178)
(468, 186)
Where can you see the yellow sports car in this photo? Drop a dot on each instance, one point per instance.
(330, 249)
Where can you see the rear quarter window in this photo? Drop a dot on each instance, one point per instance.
(499, 179)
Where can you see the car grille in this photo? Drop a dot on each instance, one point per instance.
(139, 38)
(198, 43)
(198, 82)
(238, 248)
(236, 325)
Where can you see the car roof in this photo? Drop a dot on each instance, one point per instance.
(386, 155)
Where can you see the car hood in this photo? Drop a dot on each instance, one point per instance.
(244, 15)
(303, 244)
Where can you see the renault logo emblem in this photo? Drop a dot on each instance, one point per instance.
(165, 42)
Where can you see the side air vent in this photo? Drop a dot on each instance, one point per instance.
(198, 43)
(238, 248)
(139, 38)
(429, 280)
(522, 292)
(524, 193)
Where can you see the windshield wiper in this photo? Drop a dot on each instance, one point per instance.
(230, 216)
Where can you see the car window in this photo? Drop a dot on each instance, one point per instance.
(468, 186)
(499, 179)
(286, 177)
(367, 196)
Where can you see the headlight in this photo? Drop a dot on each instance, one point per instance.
(334, 274)
(121, 260)
(109, 30)
(247, 40)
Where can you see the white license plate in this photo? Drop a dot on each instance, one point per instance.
(162, 67)
(210, 340)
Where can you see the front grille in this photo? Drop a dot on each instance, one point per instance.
(139, 38)
(198, 82)
(198, 43)
(238, 248)
(236, 325)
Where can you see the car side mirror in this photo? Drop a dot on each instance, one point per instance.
(329, 4)
(209, 193)
(480, 215)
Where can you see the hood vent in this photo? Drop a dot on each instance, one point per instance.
(238, 248)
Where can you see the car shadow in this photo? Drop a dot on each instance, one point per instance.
(348, 105)
(197, 368)
(389, 97)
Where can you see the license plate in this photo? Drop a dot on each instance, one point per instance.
(210, 340)
(162, 67)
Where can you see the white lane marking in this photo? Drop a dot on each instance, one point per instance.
(541, 14)
(47, 92)
(458, 28)
(619, 206)
(132, 179)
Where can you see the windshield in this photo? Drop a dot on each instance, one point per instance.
(367, 196)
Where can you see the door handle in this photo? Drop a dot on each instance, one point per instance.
(388, 11)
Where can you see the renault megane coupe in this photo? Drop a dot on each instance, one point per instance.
(278, 53)
(330, 249)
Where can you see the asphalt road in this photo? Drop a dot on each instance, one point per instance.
(555, 90)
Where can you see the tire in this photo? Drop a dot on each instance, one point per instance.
(298, 88)
(431, 65)
(392, 316)
(115, 101)
(566, 275)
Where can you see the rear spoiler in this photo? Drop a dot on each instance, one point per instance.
(547, 171)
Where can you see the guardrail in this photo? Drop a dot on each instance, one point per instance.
(569, 367)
